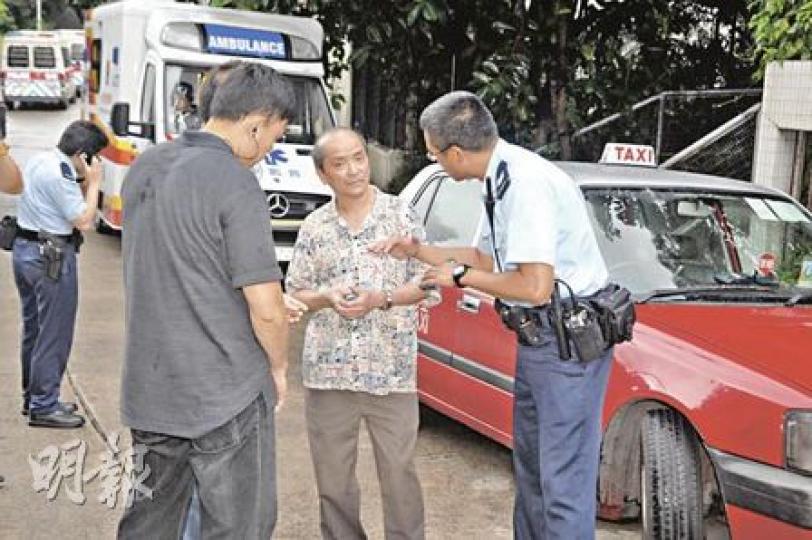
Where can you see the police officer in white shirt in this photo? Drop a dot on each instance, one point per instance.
(542, 232)
(60, 195)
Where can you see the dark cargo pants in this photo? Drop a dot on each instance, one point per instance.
(556, 442)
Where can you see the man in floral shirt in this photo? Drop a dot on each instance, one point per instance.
(360, 351)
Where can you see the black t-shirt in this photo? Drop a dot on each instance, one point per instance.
(196, 230)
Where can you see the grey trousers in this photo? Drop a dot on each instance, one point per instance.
(333, 422)
(233, 469)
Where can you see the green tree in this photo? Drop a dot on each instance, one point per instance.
(782, 30)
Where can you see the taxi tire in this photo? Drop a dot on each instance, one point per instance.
(670, 478)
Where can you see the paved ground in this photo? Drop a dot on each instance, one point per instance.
(467, 479)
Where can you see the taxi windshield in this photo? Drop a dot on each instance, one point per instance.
(656, 239)
(312, 115)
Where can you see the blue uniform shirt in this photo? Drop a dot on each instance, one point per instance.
(540, 217)
(51, 199)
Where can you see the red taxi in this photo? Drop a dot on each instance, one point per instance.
(708, 414)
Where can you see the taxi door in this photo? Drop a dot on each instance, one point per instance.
(468, 355)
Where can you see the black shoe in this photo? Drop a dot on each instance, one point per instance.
(66, 406)
(56, 419)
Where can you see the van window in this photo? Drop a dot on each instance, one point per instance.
(65, 56)
(148, 95)
(312, 115)
(180, 97)
(17, 56)
(453, 217)
(77, 52)
(44, 57)
(95, 65)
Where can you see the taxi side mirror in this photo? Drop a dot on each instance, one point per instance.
(122, 127)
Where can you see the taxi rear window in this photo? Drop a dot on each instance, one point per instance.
(17, 56)
(44, 57)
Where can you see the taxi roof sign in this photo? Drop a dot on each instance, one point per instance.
(640, 155)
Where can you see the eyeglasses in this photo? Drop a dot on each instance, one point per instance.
(432, 156)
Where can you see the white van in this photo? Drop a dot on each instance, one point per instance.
(36, 68)
(141, 50)
(74, 42)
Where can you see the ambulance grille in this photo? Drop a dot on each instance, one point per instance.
(299, 204)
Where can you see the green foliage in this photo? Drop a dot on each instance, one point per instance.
(782, 30)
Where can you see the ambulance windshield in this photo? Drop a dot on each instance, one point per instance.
(656, 239)
(182, 113)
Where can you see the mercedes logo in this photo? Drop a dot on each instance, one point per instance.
(278, 205)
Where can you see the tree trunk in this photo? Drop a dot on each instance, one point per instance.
(560, 91)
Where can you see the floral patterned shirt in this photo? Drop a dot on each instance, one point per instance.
(377, 353)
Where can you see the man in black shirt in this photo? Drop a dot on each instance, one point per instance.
(207, 329)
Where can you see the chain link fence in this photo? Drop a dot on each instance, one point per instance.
(673, 122)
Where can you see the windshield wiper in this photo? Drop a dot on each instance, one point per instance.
(699, 292)
(744, 279)
(799, 298)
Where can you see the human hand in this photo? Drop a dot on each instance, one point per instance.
(93, 173)
(439, 276)
(361, 303)
(280, 381)
(296, 309)
(399, 247)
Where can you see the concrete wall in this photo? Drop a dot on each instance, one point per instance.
(786, 110)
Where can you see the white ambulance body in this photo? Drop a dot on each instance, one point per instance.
(140, 50)
(36, 68)
(74, 41)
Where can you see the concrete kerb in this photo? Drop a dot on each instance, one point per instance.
(90, 412)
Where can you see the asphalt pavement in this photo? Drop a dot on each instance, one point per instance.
(467, 478)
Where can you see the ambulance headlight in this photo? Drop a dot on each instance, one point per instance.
(798, 434)
(302, 49)
(183, 36)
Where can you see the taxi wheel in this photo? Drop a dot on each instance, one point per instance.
(670, 478)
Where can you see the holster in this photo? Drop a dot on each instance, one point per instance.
(53, 254)
(8, 232)
(526, 322)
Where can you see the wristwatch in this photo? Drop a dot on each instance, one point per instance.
(458, 272)
(389, 300)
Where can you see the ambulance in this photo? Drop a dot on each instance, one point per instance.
(140, 51)
(36, 68)
(73, 43)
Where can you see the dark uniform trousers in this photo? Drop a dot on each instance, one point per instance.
(48, 313)
(557, 437)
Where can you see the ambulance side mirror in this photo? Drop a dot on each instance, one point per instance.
(120, 119)
(121, 125)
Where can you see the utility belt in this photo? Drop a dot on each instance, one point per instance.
(589, 324)
(51, 246)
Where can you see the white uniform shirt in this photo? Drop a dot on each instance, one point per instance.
(51, 198)
(540, 216)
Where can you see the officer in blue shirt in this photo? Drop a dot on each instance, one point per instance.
(540, 232)
(60, 194)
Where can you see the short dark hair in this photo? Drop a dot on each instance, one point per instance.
(253, 89)
(82, 137)
(459, 119)
(211, 81)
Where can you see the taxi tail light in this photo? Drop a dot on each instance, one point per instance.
(798, 436)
